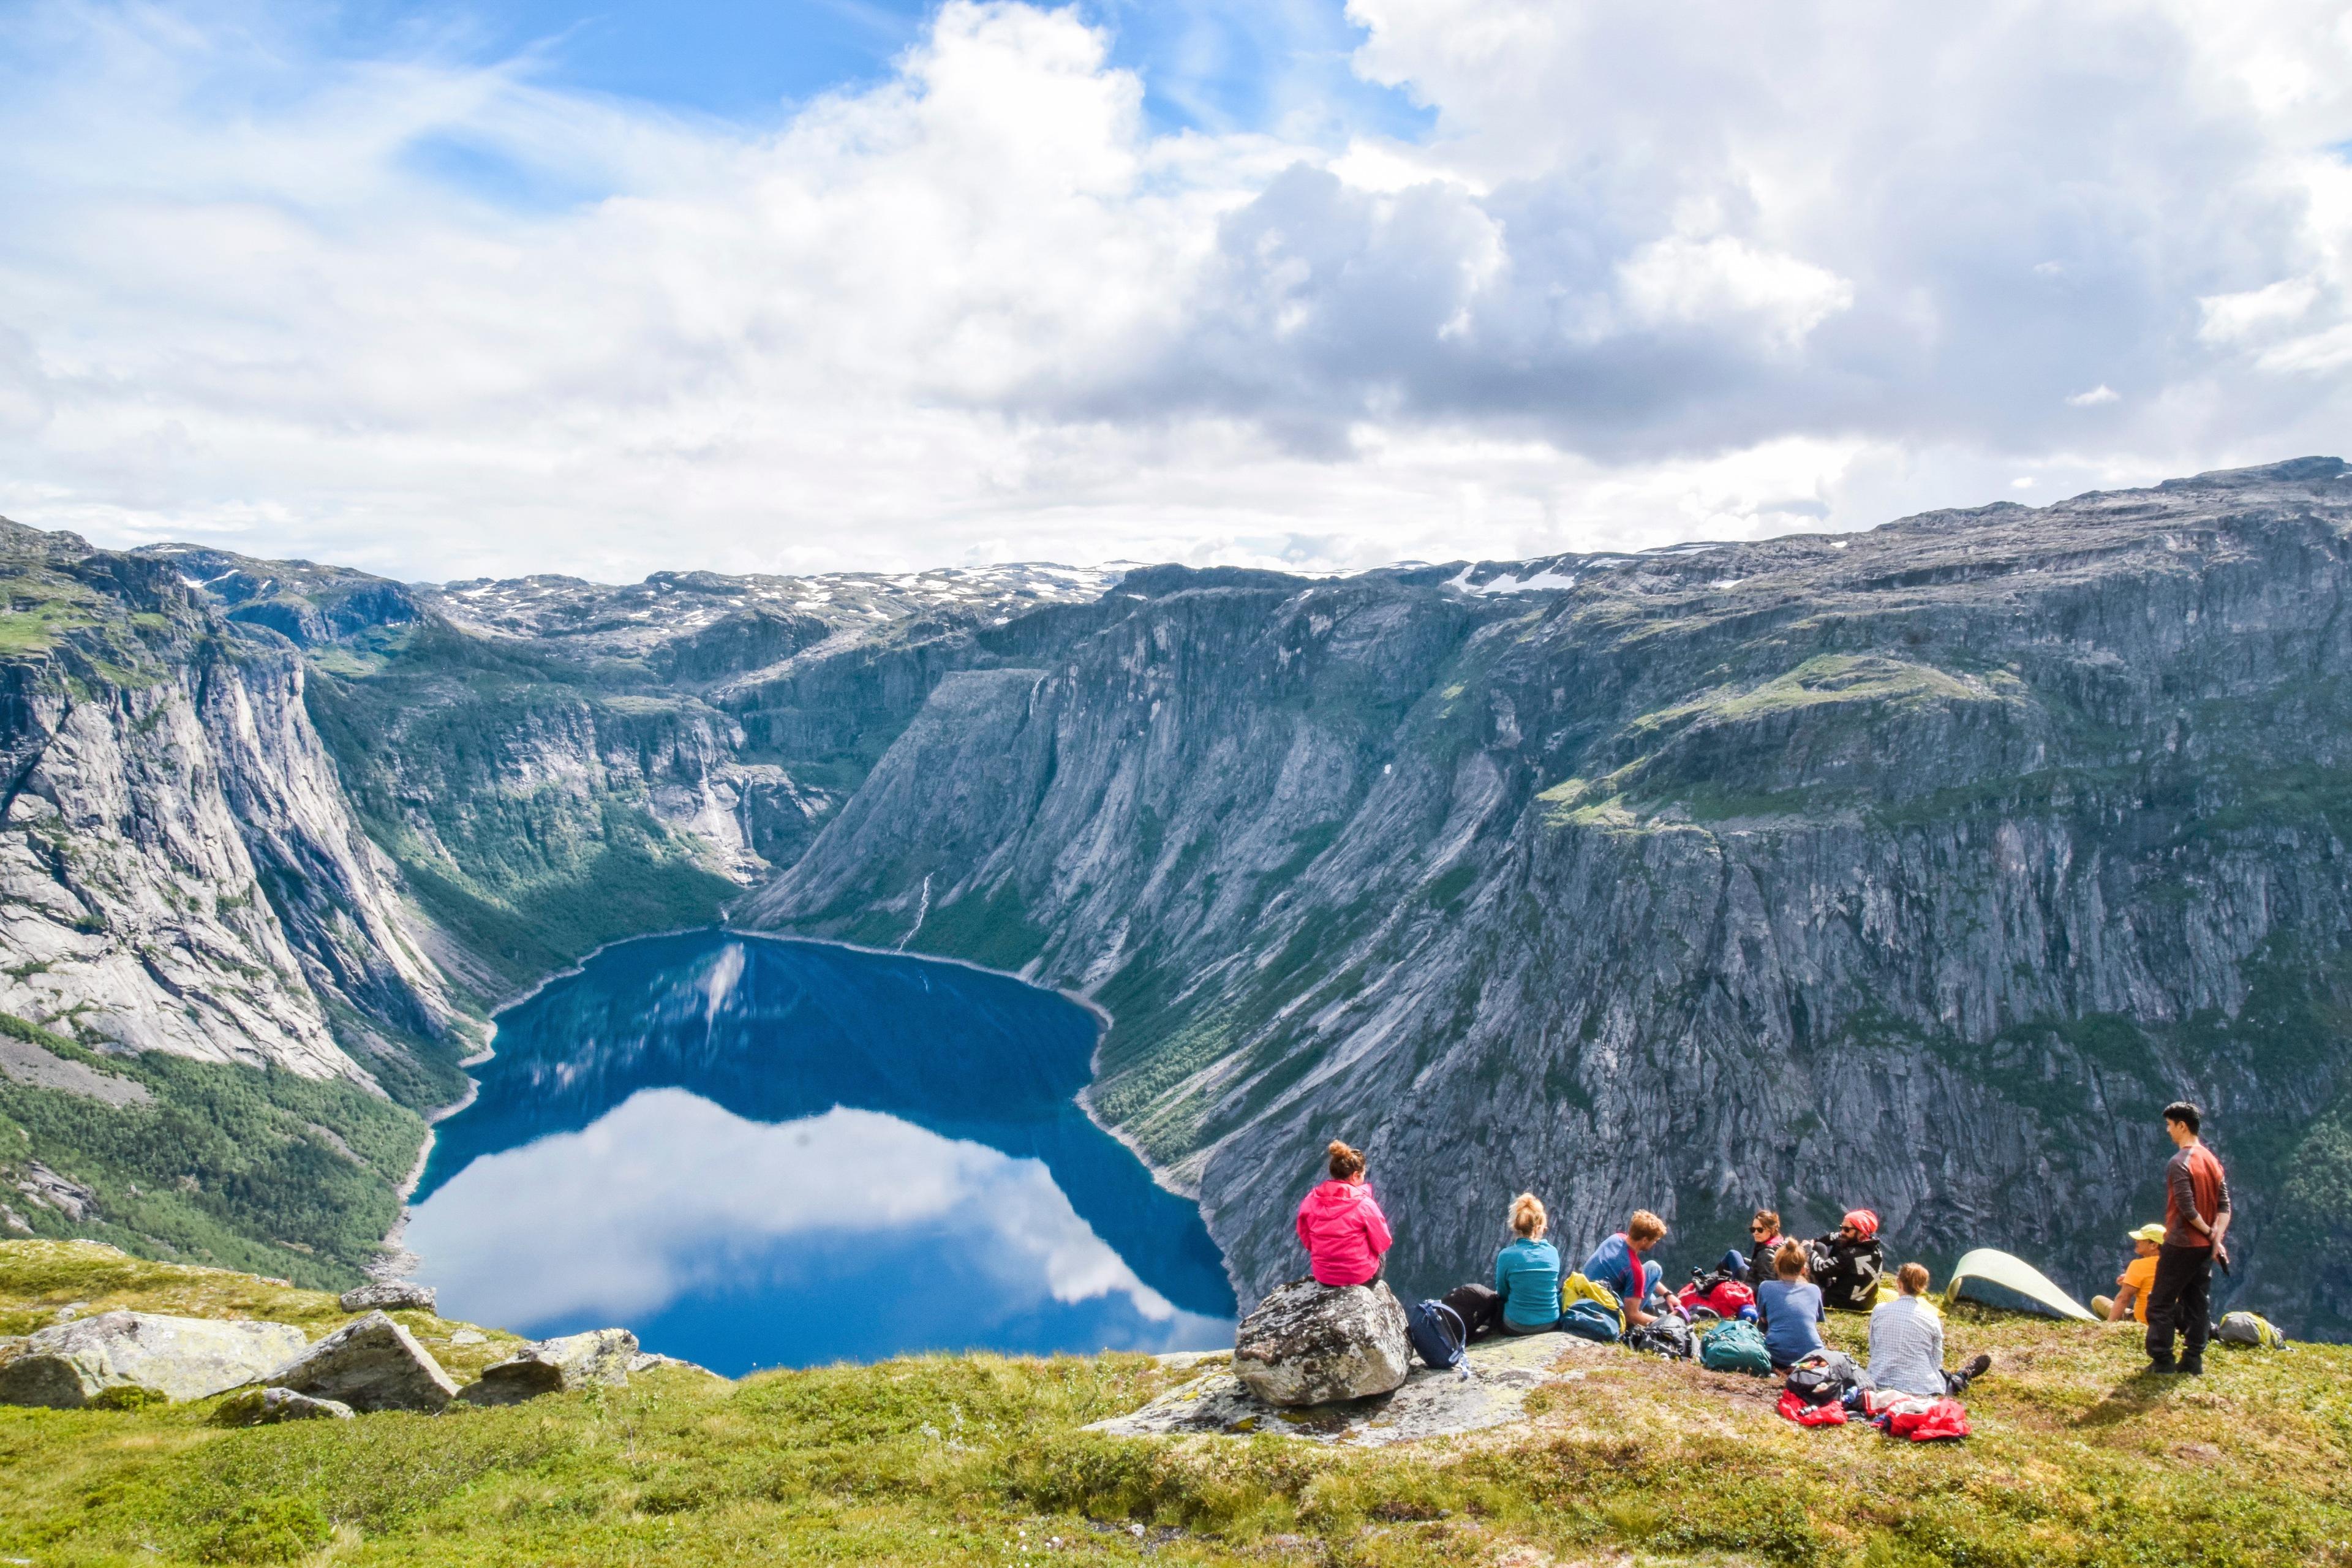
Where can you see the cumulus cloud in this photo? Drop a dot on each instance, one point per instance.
(1646, 274)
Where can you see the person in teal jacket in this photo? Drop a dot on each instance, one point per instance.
(1526, 1272)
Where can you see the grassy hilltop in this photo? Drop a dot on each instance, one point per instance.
(2077, 1460)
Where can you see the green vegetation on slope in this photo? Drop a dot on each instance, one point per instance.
(2076, 1462)
(247, 1168)
(472, 765)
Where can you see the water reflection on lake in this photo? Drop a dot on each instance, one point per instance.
(760, 1152)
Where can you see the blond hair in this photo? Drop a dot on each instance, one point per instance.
(1912, 1277)
(1644, 1228)
(1347, 1164)
(1527, 1217)
(1790, 1261)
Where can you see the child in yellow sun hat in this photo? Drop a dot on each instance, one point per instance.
(2136, 1281)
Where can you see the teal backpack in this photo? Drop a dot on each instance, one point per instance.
(1590, 1319)
(1735, 1346)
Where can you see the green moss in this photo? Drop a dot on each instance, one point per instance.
(1445, 891)
(1828, 679)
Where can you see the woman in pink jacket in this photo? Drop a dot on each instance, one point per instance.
(1341, 1227)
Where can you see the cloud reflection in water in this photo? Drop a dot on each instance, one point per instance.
(739, 1243)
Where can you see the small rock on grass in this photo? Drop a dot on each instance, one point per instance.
(371, 1364)
(648, 1362)
(267, 1406)
(557, 1366)
(389, 1296)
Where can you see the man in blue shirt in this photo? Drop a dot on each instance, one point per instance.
(1618, 1264)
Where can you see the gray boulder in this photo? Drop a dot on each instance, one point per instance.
(557, 1366)
(371, 1364)
(1310, 1344)
(75, 1363)
(389, 1296)
(267, 1406)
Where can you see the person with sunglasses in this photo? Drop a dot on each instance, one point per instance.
(1765, 1238)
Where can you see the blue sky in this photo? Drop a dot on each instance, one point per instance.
(1218, 65)
(829, 283)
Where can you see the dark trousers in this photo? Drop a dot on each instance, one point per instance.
(2181, 1299)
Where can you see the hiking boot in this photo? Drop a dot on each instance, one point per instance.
(2192, 1367)
(2162, 1366)
(1978, 1366)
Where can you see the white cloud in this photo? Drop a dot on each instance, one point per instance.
(2100, 393)
(1649, 275)
(1721, 279)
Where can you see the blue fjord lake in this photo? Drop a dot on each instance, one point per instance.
(757, 1152)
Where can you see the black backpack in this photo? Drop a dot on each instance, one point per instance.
(1479, 1307)
(1824, 1377)
(1666, 1335)
(1437, 1334)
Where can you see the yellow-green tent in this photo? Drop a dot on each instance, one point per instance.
(1997, 1279)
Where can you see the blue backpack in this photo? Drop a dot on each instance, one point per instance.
(1590, 1319)
(1437, 1334)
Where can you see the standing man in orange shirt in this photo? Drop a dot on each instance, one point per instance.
(2196, 1219)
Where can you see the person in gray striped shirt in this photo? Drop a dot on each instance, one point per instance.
(1907, 1344)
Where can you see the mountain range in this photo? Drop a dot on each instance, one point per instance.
(1914, 869)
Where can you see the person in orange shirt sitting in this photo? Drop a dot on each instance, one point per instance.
(2138, 1277)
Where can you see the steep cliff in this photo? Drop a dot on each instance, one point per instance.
(1916, 869)
(178, 868)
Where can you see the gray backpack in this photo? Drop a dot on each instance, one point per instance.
(2253, 1332)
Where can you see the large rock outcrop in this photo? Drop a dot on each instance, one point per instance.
(73, 1364)
(372, 1363)
(1313, 1344)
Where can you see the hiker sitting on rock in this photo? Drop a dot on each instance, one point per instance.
(1618, 1264)
(2138, 1278)
(1526, 1272)
(1907, 1344)
(1849, 1265)
(1789, 1308)
(1343, 1230)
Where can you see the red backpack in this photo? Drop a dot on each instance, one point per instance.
(1722, 1297)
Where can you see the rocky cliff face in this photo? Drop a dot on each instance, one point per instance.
(1915, 869)
(178, 868)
